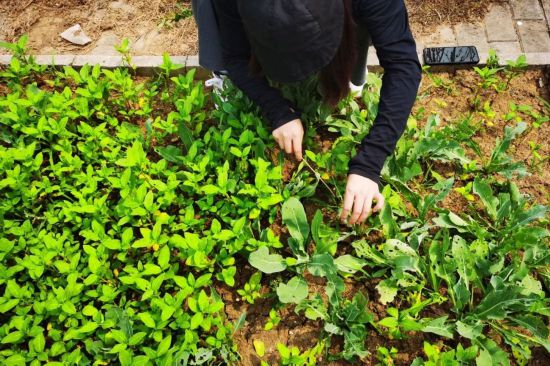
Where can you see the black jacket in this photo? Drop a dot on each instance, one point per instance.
(387, 23)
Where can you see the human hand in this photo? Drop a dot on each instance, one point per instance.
(289, 137)
(358, 199)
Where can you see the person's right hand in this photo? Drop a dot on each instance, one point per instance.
(289, 137)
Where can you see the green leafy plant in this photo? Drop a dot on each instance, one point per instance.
(274, 320)
(386, 357)
(124, 50)
(127, 204)
(251, 290)
(293, 357)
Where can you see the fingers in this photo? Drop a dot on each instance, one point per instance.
(367, 208)
(361, 192)
(290, 137)
(358, 204)
(380, 201)
(288, 145)
(297, 147)
(348, 205)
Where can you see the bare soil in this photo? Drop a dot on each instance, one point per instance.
(428, 14)
(146, 23)
(149, 25)
(452, 104)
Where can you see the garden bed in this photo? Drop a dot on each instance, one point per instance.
(440, 94)
(140, 225)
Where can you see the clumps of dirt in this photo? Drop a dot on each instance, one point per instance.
(426, 15)
(528, 89)
(147, 24)
(541, 357)
(293, 330)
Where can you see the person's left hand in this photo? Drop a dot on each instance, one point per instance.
(358, 199)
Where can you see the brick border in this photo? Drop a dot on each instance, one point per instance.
(150, 65)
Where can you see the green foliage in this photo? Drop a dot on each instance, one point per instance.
(126, 206)
(251, 290)
(293, 357)
(386, 356)
(111, 235)
(273, 321)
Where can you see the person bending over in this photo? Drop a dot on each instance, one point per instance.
(290, 40)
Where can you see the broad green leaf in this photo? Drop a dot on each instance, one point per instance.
(203, 301)
(13, 337)
(134, 156)
(112, 244)
(313, 309)
(69, 308)
(387, 290)
(8, 305)
(316, 226)
(164, 256)
(19, 360)
(332, 328)
(89, 310)
(5, 245)
(93, 263)
(88, 327)
(265, 262)
(491, 354)
(294, 291)
(484, 191)
(440, 327)
(533, 324)
(356, 311)
(125, 357)
(462, 294)
(147, 319)
(294, 217)
(185, 135)
(137, 338)
(167, 312)
(349, 264)
(531, 286)
(498, 303)
(322, 265)
(196, 320)
(39, 343)
(164, 345)
(468, 330)
(354, 343)
(389, 322)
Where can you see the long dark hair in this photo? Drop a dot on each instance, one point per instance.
(335, 77)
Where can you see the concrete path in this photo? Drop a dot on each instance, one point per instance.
(521, 26)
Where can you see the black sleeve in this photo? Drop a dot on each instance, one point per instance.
(236, 57)
(388, 25)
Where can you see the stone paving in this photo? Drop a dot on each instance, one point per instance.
(513, 28)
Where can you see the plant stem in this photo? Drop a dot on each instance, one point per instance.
(320, 178)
